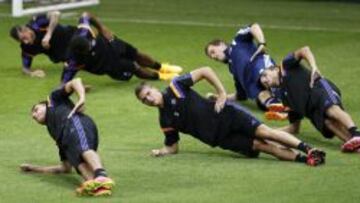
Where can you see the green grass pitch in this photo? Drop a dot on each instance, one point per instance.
(176, 31)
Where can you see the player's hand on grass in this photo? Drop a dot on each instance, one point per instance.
(37, 73)
(220, 102)
(46, 42)
(156, 152)
(79, 107)
(164, 151)
(26, 167)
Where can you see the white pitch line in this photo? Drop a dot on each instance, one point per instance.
(70, 16)
(207, 24)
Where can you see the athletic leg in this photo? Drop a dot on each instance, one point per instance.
(338, 129)
(278, 151)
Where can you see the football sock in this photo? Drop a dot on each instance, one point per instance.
(300, 158)
(354, 131)
(156, 66)
(100, 172)
(303, 147)
(271, 100)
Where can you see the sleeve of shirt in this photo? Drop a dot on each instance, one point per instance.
(40, 22)
(293, 117)
(84, 28)
(290, 61)
(58, 96)
(26, 60)
(69, 71)
(171, 134)
(181, 85)
(62, 155)
(244, 34)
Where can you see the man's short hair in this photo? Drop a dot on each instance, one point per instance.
(79, 46)
(140, 87)
(214, 42)
(44, 102)
(14, 32)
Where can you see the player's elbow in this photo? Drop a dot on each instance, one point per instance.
(305, 50)
(77, 80)
(85, 14)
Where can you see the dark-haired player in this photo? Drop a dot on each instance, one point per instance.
(76, 136)
(246, 59)
(308, 94)
(102, 53)
(219, 123)
(42, 35)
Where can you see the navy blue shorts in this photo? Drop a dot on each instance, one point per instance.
(323, 95)
(79, 136)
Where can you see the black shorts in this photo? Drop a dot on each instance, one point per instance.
(122, 67)
(323, 95)
(240, 130)
(80, 136)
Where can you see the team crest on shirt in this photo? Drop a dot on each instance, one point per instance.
(173, 101)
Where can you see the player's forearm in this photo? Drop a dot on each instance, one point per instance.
(306, 53)
(210, 76)
(76, 85)
(54, 20)
(94, 21)
(47, 169)
(257, 33)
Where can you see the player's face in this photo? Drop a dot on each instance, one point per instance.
(38, 113)
(269, 78)
(217, 52)
(151, 96)
(26, 35)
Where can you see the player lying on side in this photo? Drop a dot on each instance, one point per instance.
(42, 35)
(246, 58)
(219, 123)
(102, 53)
(309, 94)
(76, 136)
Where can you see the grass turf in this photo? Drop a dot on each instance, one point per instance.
(176, 31)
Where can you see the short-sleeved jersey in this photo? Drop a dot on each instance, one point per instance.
(295, 88)
(57, 112)
(246, 74)
(99, 59)
(186, 111)
(58, 43)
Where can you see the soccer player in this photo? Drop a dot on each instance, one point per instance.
(218, 123)
(104, 53)
(246, 59)
(308, 94)
(76, 136)
(42, 35)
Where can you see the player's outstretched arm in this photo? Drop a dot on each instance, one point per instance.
(77, 86)
(64, 167)
(53, 17)
(209, 75)
(166, 150)
(306, 54)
